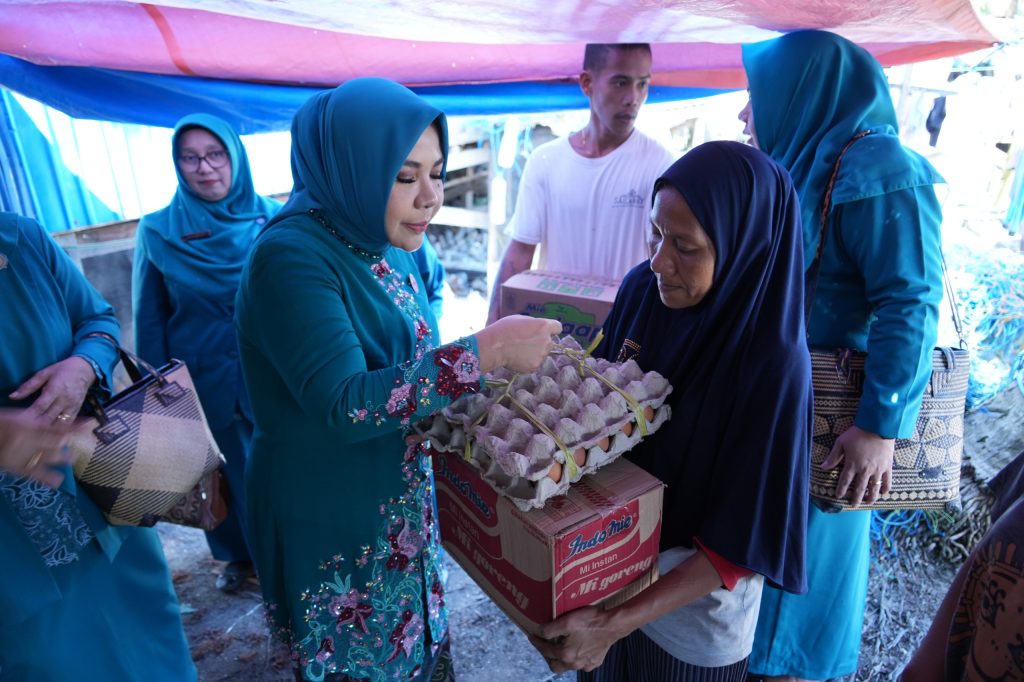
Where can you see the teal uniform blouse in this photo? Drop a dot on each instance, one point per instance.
(188, 260)
(879, 288)
(340, 354)
(881, 274)
(51, 308)
(880, 284)
(432, 273)
(64, 568)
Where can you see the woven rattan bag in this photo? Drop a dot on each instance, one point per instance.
(143, 450)
(926, 466)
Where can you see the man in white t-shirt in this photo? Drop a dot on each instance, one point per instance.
(585, 199)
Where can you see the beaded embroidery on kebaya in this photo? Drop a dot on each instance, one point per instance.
(396, 285)
(458, 368)
(378, 630)
(320, 218)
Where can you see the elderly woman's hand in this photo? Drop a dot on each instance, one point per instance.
(31, 445)
(63, 387)
(579, 640)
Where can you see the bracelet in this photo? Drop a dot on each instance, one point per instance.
(92, 363)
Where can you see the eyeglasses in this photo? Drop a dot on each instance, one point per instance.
(214, 159)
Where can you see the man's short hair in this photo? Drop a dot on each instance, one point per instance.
(596, 54)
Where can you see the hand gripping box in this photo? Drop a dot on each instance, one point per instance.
(598, 543)
(580, 303)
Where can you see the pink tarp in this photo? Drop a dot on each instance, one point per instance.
(428, 42)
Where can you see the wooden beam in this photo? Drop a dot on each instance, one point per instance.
(458, 184)
(465, 134)
(91, 234)
(461, 217)
(467, 158)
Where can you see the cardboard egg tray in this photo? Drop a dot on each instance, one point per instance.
(532, 435)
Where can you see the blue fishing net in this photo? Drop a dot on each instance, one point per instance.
(990, 287)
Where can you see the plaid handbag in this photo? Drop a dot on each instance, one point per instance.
(142, 451)
(926, 466)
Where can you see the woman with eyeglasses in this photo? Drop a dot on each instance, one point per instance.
(188, 260)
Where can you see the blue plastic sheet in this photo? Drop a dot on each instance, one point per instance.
(35, 182)
(150, 99)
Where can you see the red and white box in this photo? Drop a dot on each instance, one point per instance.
(596, 544)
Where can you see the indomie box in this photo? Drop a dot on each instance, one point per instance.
(598, 543)
(580, 303)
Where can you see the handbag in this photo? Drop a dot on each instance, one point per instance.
(205, 506)
(926, 466)
(139, 454)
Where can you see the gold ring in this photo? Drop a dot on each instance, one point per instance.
(874, 484)
(36, 459)
(64, 417)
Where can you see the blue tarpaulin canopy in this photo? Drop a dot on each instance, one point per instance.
(155, 99)
(253, 62)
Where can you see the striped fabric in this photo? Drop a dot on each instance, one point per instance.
(638, 659)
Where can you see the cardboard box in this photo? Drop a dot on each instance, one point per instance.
(580, 303)
(598, 543)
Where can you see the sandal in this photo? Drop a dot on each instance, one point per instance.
(234, 576)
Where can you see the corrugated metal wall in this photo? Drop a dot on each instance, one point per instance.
(69, 173)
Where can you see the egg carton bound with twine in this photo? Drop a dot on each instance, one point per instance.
(532, 435)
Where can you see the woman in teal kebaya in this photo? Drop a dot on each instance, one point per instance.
(188, 260)
(878, 290)
(79, 598)
(340, 353)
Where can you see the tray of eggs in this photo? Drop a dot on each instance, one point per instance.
(532, 435)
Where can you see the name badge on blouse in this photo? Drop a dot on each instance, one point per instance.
(192, 236)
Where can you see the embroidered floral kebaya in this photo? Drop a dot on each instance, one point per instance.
(457, 367)
(459, 371)
(377, 629)
(340, 354)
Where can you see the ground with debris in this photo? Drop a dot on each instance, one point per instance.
(909, 576)
(229, 639)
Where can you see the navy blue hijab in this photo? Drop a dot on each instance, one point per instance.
(735, 455)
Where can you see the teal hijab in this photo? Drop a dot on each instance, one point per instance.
(811, 92)
(348, 145)
(204, 243)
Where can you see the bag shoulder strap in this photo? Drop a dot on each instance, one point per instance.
(811, 279)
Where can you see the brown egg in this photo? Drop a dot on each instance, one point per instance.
(580, 457)
(649, 414)
(555, 472)
(604, 443)
(627, 429)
